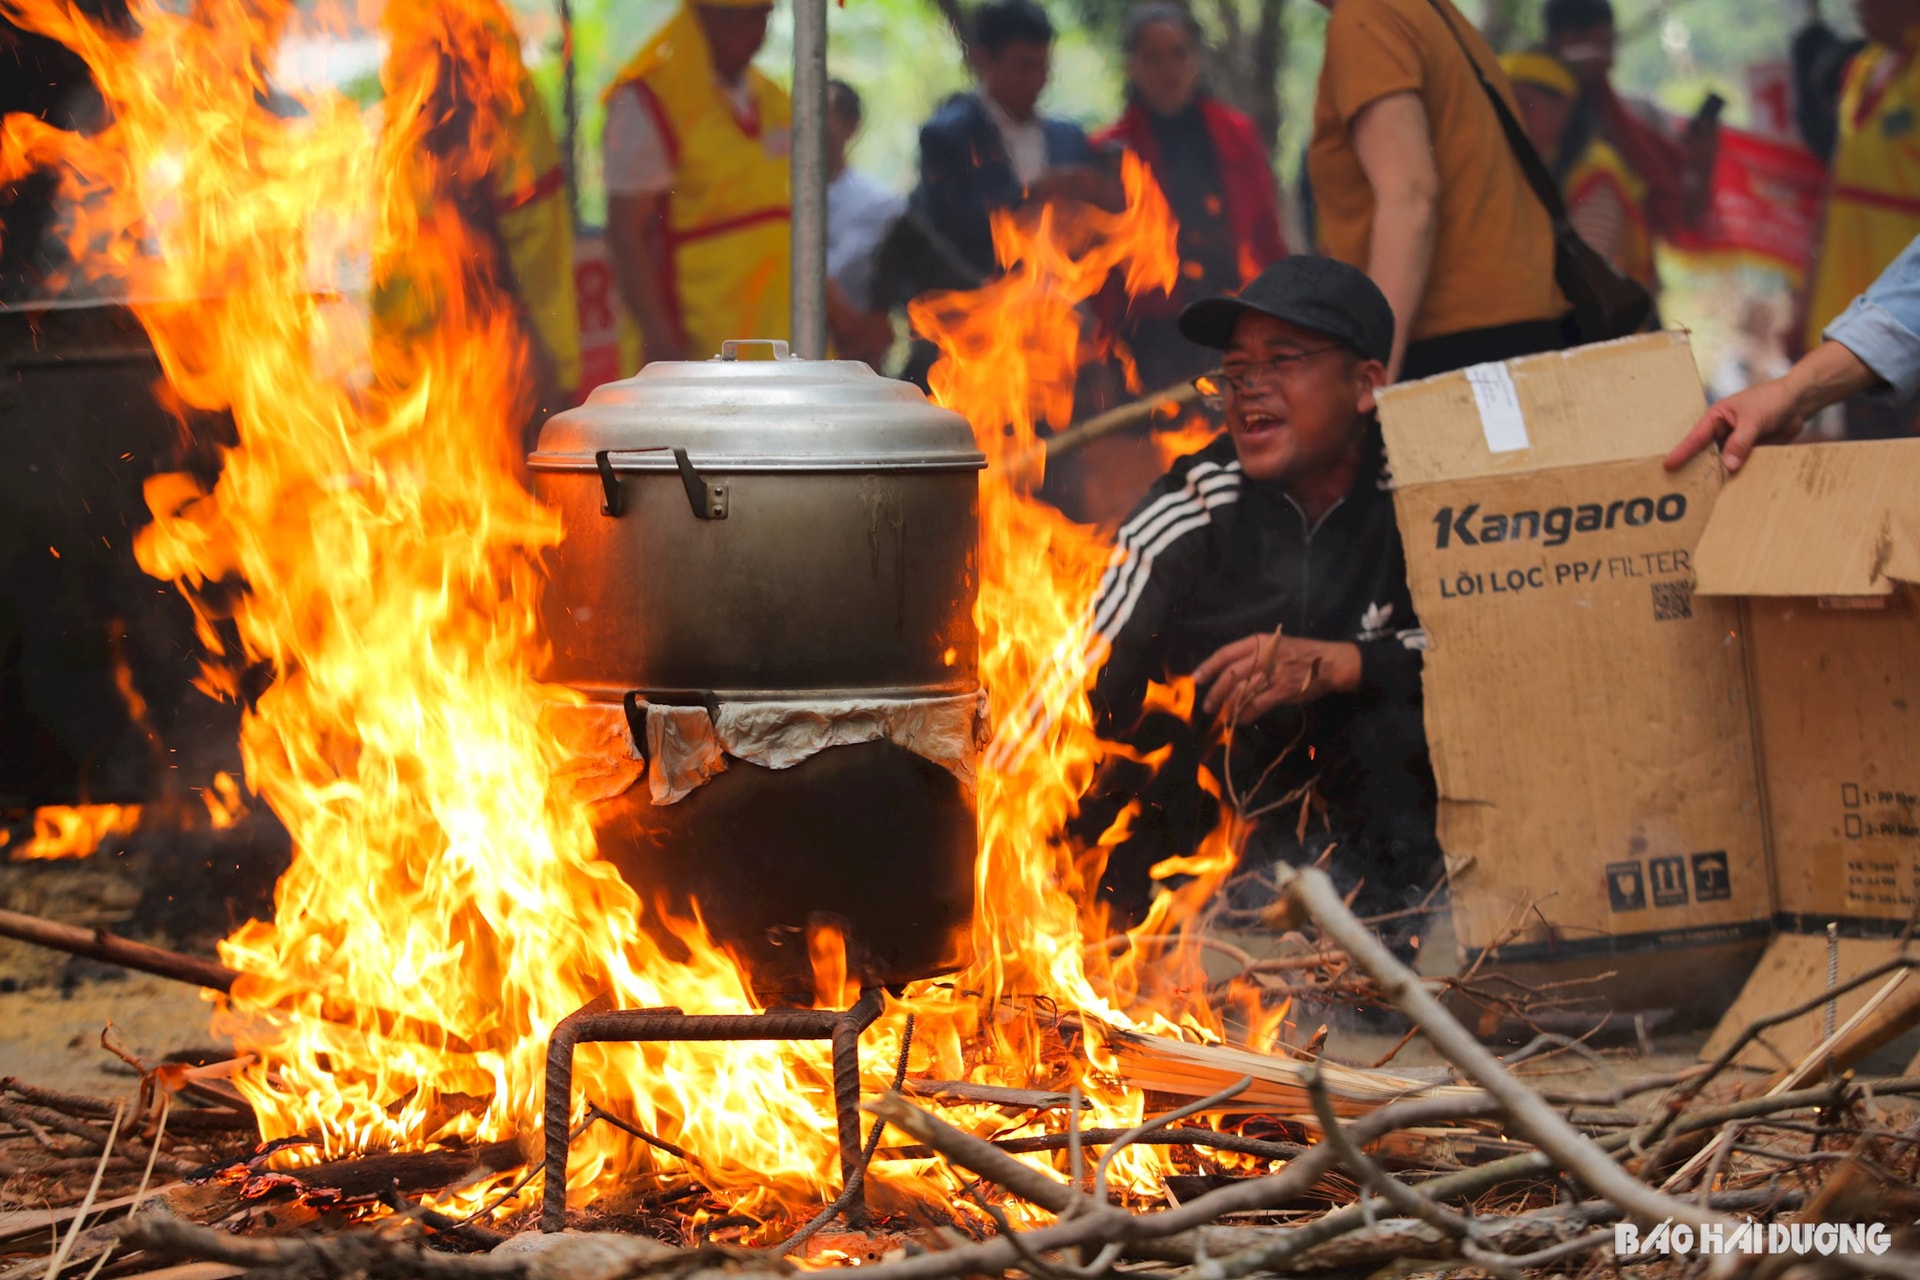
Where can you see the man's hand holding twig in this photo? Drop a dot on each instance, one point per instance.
(1252, 676)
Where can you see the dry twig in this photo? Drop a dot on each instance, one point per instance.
(1314, 894)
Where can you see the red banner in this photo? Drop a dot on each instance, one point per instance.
(600, 311)
(1767, 199)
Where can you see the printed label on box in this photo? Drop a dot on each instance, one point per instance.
(1626, 886)
(1712, 880)
(1669, 877)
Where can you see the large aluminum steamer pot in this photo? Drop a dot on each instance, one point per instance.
(755, 530)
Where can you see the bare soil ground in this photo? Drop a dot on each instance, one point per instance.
(52, 1034)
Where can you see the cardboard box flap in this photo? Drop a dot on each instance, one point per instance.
(1816, 520)
(1605, 403)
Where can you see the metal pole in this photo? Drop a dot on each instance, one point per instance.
(1833, 972)
(846, 1097)
(809, 336)
(569, 112)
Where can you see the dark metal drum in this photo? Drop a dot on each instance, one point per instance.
(97, 660)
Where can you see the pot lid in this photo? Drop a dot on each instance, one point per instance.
(736, 412)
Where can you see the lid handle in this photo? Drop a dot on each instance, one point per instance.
(730, 349)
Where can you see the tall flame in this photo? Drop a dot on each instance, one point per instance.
(1011, 355)
(368, 545)
(444, 909)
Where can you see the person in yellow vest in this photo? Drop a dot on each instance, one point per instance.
(497, 165)
(535, 225)
(1873, 195)
(1606, 199)
(1607, 204)
(697, 148)
(1873, 202)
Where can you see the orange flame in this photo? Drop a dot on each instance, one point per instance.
(225, 804)
(1011, 353)
(445, 907)
(73, 831)
(1195, 433)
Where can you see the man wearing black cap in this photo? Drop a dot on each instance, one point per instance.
(1269, 568)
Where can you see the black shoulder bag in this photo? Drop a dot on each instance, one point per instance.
(1606, 304)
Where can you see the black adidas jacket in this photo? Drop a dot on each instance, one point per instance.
(1211, 557)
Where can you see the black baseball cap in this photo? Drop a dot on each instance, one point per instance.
(1321, 294)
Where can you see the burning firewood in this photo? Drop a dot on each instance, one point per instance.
(1360, 1165)
(1184, 1068)
(411, 1171)
(991, 1095)
(1376, 1216)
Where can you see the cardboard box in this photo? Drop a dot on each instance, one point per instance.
(1795, 969)
(1587, 712)
(1821, 544)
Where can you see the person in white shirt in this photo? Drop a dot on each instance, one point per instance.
(993, 149)
(634, 151)
(698, 151)
(860, 211)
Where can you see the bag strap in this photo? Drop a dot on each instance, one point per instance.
(1544, 187)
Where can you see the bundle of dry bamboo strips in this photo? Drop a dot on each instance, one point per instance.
(1186, 1069)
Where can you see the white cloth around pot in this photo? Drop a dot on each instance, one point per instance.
(686, 745)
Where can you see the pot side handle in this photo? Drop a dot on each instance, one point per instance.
(708, 498)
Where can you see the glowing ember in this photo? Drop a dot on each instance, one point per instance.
(445, 907)
(72, 831)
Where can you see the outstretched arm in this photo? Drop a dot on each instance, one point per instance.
(1874, 343)
(636, 243)
(1395, 146)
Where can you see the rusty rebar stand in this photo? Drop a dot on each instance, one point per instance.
(592, 1025)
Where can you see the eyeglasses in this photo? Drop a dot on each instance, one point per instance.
(1213, 387)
